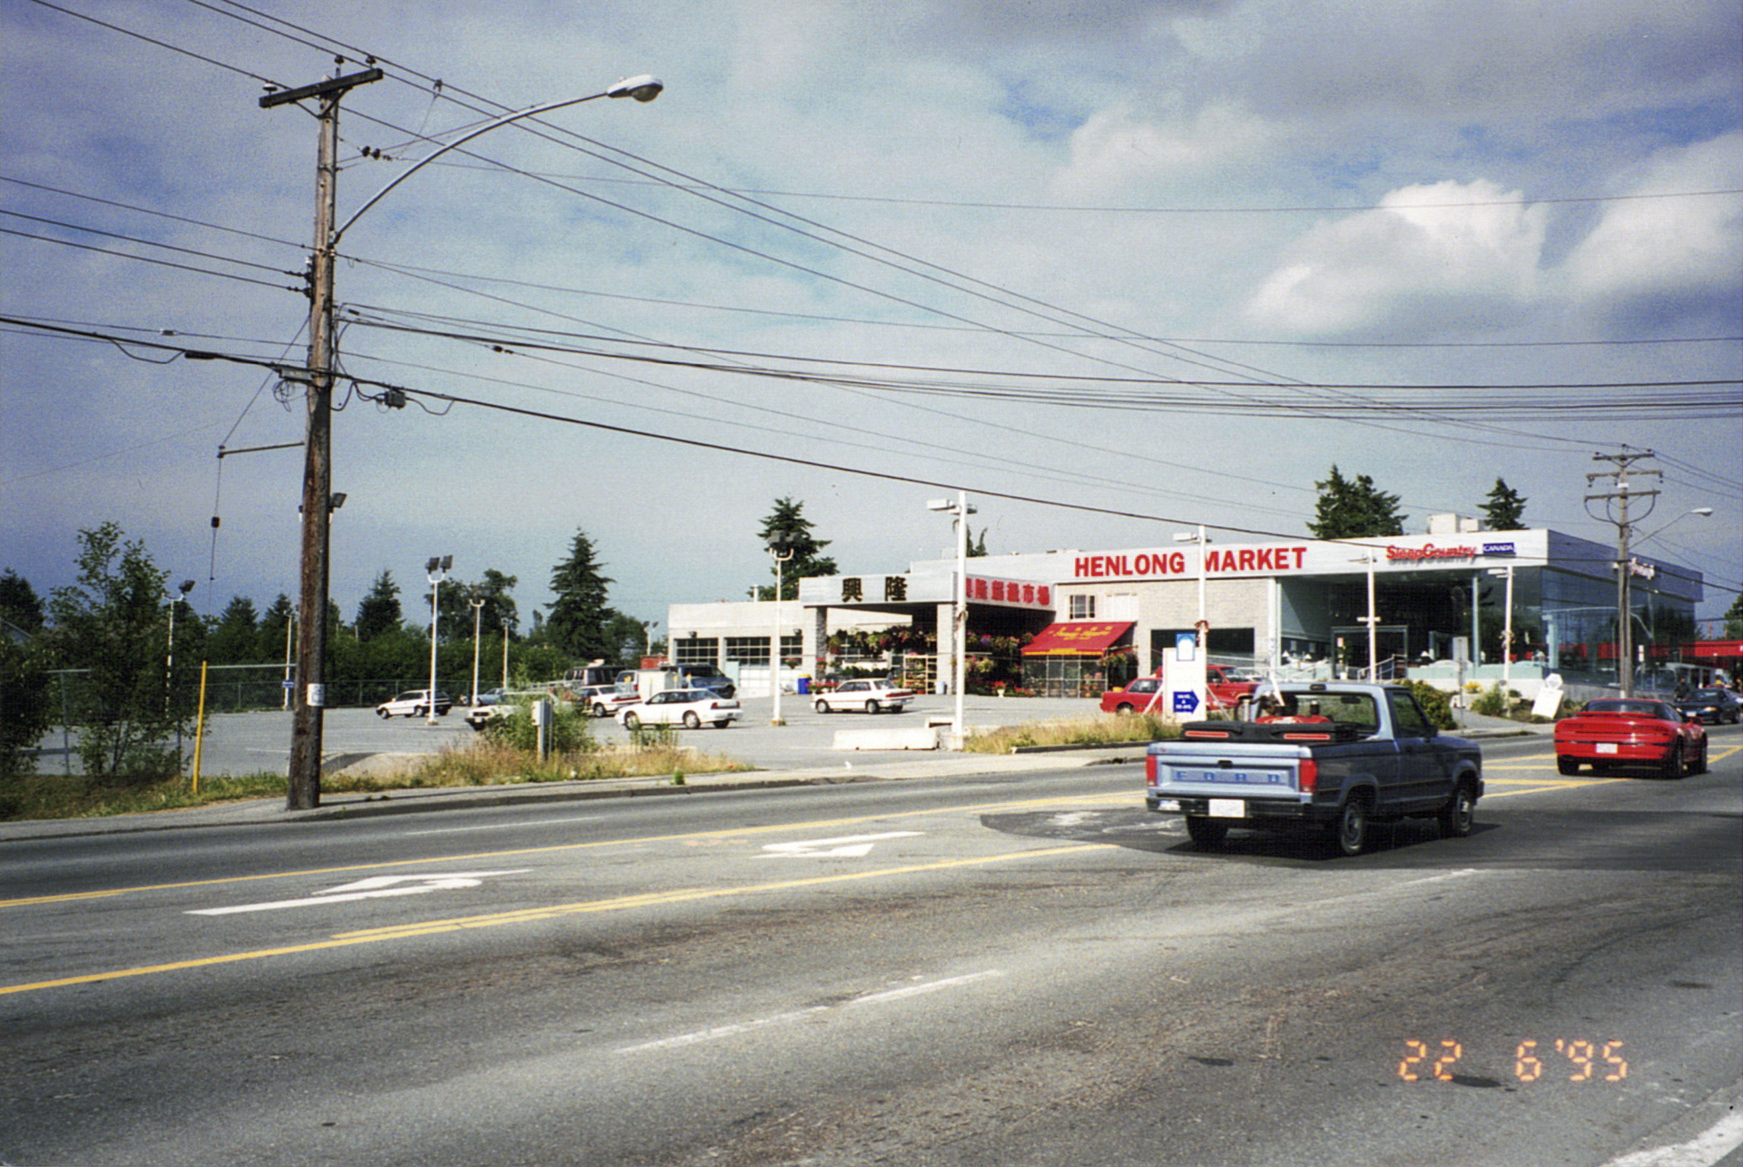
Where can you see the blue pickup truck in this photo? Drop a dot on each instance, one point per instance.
(1331, 756)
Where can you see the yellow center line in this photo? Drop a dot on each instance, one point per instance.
(820, 824)
(524, 915)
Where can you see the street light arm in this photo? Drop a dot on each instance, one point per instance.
(642, 88)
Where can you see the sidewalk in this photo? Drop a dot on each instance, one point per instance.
(856, 768)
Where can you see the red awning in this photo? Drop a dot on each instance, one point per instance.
(1077, 638)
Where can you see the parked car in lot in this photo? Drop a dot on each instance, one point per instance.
(1613, 732)
(873, 696)
(602, 700)
(489, 697)
(480, 716)
(1715, 705)
(415, 703)
(687, 707)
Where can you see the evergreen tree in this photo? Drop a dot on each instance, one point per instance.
(379, 611)
(579, 612)
(1734, 619)
(275, 625)
(236, 639)
(20, 606)
(1354, 509)
(26, 689)
(788, 518)
(1505, 509)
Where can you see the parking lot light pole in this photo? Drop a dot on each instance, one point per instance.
(437, 571)
(477, 625)
(304, 771)
(782, 545)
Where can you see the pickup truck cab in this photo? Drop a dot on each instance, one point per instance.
(1329, 756)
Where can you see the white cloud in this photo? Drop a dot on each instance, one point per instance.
(1429, 258)
(1657, 262)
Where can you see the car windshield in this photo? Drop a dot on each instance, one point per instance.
(1707, 694)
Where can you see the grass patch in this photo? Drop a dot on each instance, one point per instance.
(1101, 729)
(480, 763)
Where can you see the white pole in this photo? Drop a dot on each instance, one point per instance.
(1507, 637)
(1201, 555)
(1373, 626)
(959, 618)
(775, 645)
(430, 707)
(477, 623)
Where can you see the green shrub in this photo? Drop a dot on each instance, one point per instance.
(570, 731)
(1491, 702)
(1436, 703)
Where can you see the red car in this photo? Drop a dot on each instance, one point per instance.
(1223, 690)
(1613, 732)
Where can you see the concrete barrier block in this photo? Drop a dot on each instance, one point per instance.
(897, 737)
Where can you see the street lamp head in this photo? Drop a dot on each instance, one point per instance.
(187, 585)
(1704, 512)
(644, 87)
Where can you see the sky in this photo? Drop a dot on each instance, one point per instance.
(1111, 268)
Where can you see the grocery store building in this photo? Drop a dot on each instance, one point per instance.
(1085, 620)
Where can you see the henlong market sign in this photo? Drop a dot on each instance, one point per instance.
(1217, 561)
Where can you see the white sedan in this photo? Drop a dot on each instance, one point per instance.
(688, 707)
(871, 696)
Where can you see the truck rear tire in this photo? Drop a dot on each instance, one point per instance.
(1350, 832)
(1204, 833)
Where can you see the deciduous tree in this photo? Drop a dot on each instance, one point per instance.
(113, 624)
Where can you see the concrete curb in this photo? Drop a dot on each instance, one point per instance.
(339, 807)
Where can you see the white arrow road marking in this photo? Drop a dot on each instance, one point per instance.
(374, 887)
(854, 845)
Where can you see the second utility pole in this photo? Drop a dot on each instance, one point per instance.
(310, 698)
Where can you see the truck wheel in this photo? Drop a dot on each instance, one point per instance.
(691, 721)
(820, 705)
(1350, 833)
(1570, 765)
(1204, 833)
(1459, 814)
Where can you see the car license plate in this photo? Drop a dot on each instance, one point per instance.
(1228, 808)
(1606, 747)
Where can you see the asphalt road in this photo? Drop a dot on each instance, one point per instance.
(1004, 968)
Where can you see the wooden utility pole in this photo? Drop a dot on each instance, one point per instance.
(310, 696)
(1621, 494)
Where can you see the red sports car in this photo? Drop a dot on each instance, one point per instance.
(1613, 732)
